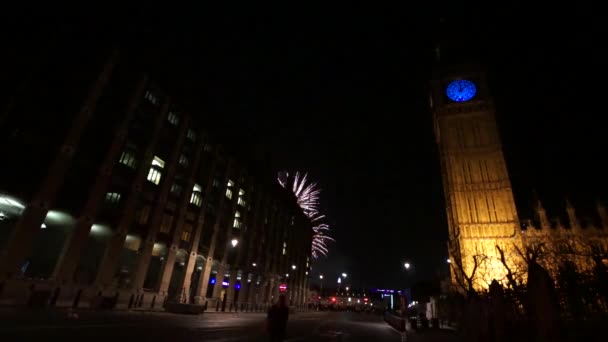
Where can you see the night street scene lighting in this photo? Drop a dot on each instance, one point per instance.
(183, 174)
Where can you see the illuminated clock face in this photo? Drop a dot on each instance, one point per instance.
(461, 90)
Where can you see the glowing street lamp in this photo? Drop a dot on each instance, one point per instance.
(321, 276)
(449, 261)
(407, 265)
(234, 242)
(339, 280)
(293, 267)
(344, 275)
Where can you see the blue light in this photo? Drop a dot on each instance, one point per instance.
(237, 286)
(212, 281)
(461, 90)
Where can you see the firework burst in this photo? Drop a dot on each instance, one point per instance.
(307, 195)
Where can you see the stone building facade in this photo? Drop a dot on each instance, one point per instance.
(113, 192)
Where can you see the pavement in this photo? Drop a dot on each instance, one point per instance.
(154, 326)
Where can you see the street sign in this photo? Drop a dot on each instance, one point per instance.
(283, 287)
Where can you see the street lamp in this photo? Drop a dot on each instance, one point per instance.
(321, 278)
(254, 264)
(449, 261)
(344, 275)
(293, 267)
(234, 242)
(407, 265)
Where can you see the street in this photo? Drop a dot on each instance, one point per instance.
(149, 326)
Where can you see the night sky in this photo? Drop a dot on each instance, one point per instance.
(341, 93)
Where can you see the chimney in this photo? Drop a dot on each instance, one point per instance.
(542, 216)
(573, 221)
(601, 210)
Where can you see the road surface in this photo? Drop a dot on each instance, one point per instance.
(215, 327)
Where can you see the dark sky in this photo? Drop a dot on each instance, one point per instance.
(341, 93)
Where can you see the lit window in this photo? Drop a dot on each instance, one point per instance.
(191, 135)
(128, 158)
(113, 197)
(284, 248)
(183, 160)
(196, 197)
(176, 188)
(150, 97)
(173, 119)
(241, 200)
(165, 225)
(186, 232)
(144, 213)
(237, 220)
(158, 162)
(229, 189)
(155, 173)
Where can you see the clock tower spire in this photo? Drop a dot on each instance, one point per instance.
(479, 199)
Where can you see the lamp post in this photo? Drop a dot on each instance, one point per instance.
(321, 278)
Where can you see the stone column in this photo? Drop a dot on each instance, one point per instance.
(203, 282)
(145, 251)
(28, 225)
(198, 232)
(107, 268)
(231, 290)
(217, 288)
(70, 255)
(271, 290)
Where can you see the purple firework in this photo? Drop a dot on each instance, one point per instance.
(307, 195)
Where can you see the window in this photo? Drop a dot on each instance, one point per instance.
(241, 200)
(183, 160)
(173, 119)
(151, 98)
(165, 225)
(155, 170)
(216, 183)
(237, 220)
(284, 247)
(196, 197)
(127, 158)
(186, 232)
(176, 188)
(191, 135)
(113, 197)
(229, 189)
(143, 215)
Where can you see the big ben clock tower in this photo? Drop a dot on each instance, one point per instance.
(479, 199)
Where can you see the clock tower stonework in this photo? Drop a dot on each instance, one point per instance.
(479, 199)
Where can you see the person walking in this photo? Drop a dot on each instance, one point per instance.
(276, 321)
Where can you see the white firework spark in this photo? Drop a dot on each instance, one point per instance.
(307, 195)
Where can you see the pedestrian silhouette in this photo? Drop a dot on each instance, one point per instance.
(276, 322)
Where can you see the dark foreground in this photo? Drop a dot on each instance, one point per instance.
(123, 326)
